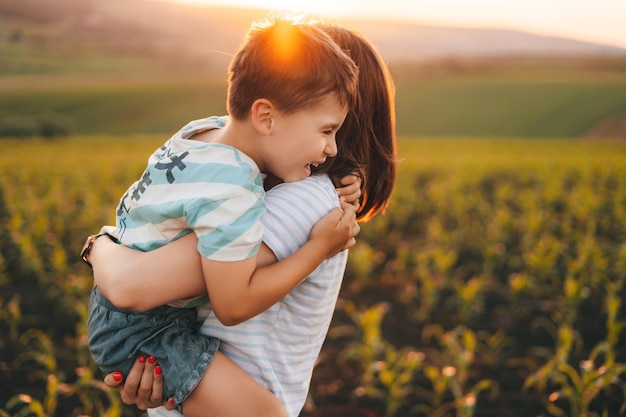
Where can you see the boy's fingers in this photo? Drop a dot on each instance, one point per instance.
(350, 188)
(335, 215)
(349, 179)
(355, 203)
(349, 212)
(356, 229)
(350, 192)
(348, 219)
(352, 199)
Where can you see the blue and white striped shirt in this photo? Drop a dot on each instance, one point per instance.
(213, 190)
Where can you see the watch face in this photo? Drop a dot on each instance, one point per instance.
(84, 253)
(87, 248)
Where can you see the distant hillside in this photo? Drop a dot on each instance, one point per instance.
(412, 42)
(206, 36)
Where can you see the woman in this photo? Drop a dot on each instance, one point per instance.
(286, 339)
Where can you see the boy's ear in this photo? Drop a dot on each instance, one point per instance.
(262, 114)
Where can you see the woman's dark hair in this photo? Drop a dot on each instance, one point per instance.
(366, 141)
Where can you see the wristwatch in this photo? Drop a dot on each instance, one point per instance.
(84, 253)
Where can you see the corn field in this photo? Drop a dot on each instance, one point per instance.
(494, 285)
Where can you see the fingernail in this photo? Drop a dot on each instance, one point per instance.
(141, 359)
(171, 401)
(117, 376)
(158, 370)
(151, 359)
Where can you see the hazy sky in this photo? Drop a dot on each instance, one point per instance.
(602, 21)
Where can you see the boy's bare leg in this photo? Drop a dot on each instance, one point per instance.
(226, 390)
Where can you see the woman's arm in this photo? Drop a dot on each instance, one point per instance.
(139, 281)
(131, 279)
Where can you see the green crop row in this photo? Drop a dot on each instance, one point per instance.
(493, 285)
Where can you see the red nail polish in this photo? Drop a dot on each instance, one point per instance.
(158, 370)
(141, 359)
(171, 401)
(117, 376)
(151, 359)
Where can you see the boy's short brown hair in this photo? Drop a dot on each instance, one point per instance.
(292, 64)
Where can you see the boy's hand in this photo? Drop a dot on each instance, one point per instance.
(349, 190)
(143, 386)
(337, 230)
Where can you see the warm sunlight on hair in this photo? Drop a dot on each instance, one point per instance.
(284, 43)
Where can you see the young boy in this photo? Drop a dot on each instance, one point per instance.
(290, 88)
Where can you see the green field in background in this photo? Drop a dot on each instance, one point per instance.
(498, 106)
(505, 107)
(494, 266)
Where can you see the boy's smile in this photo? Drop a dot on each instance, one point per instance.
(303, 139)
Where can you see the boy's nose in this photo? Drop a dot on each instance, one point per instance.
(331, 147)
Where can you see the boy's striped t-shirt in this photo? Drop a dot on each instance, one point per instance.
(212, 190)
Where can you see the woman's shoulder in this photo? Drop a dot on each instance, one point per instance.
(314, 190)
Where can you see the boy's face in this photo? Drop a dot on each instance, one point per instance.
(304, 138)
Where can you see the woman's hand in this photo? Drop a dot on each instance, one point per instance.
(349, 190)
(143, 386)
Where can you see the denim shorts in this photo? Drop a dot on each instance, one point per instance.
(117, 337)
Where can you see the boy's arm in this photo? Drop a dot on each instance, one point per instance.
(239, 290)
